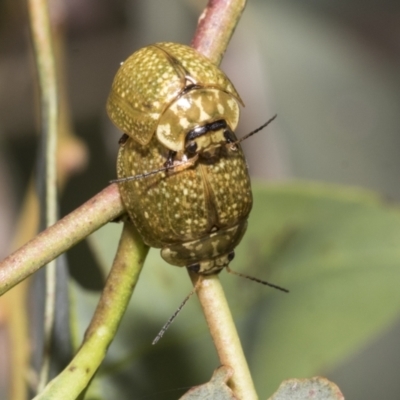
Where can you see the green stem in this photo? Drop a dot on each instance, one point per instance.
(45, 62)
(114, 300)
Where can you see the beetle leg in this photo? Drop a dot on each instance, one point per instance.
(122, 140)
(170, 159)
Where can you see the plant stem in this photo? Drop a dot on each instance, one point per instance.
(113, 302)
(45, 62)
(216, 26)
(100, 209)
(224, 334)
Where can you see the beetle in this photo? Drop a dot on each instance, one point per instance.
(196, 215)
(171, 91)
(178, 110)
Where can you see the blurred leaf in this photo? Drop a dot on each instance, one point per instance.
(336, 250)
(302, 389)
(216, 389)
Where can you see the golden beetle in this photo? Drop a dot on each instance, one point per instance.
(197, 215)
(180, 111)
(171, 91)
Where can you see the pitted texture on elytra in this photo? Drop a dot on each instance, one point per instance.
(231, 191)
(199, 67)
(166, 207)
(184, 209)
(153, 77)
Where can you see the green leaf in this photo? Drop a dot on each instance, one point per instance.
(216, 389)
(337, 250)
(307, 389)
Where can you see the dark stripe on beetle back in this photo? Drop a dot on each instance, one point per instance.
(202, 130)
(188, 88)
(176, 64)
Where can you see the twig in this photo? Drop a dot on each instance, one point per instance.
(100, 209)
(45, 62)
(223, 331)
(216, 26)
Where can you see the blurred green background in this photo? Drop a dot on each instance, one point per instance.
(328, 68)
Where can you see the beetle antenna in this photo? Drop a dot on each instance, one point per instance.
(253, 132)
(257, 280)
(175, 314)
(146, 174)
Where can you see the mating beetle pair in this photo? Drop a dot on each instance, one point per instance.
(180, 112)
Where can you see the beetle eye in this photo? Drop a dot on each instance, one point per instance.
(229, 136)
(191, 147)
